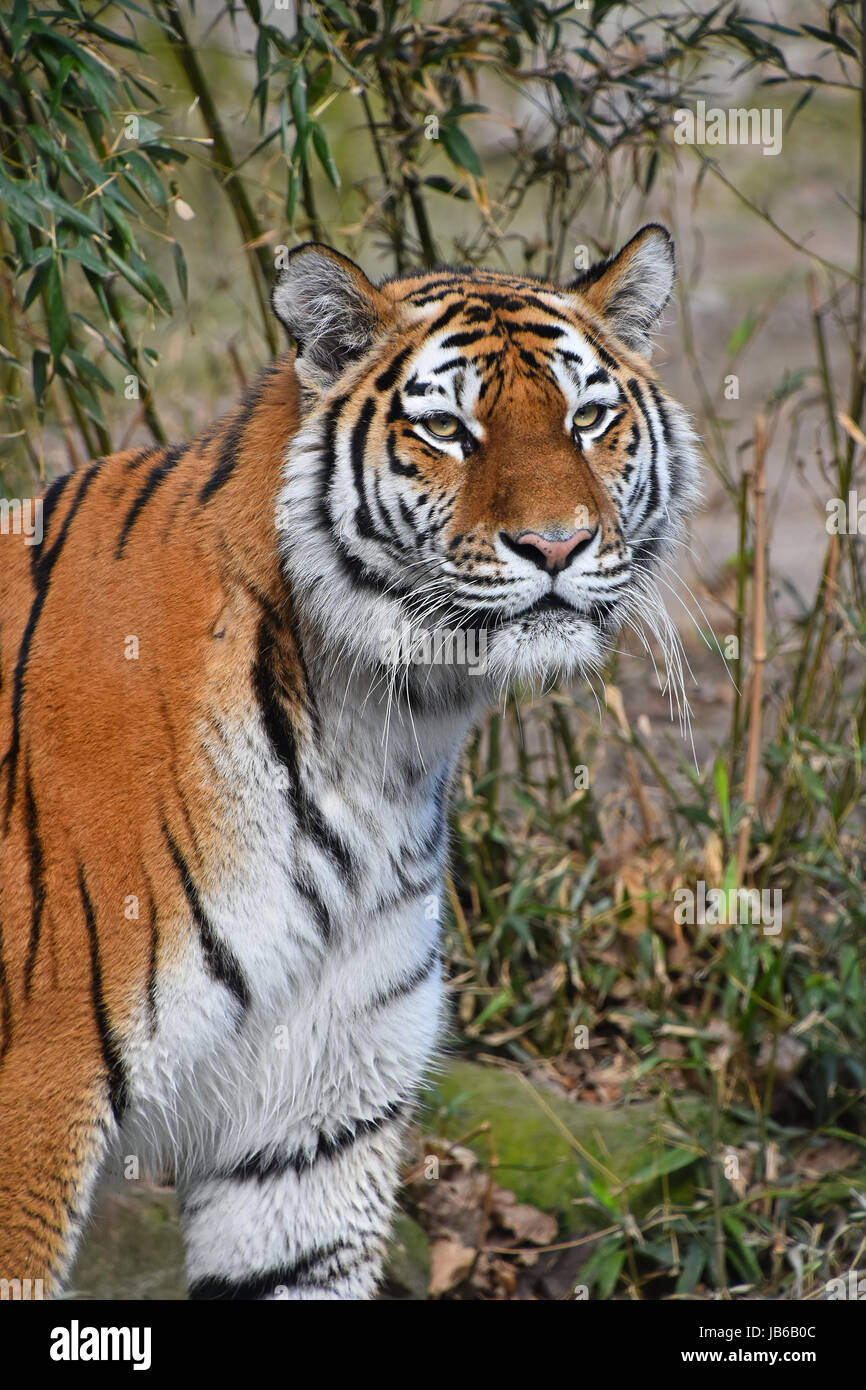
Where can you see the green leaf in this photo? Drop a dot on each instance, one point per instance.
(720, 778)
(150, 180)
(836, 40)
(132, 277)
(741, 334)
(737, 1232)
(500, 1001)
(693, 1267)
(812, 783)
(319, 82)
(39, 367)
(82, 253)
(326, 159)
(180, 270)
(66, 213)
(298, 96)
(38, 278)
(55, 308)
(603, 1267)
(459, 150)
(88, 369)
(668, 1162)
(151, 279)
(50, 147)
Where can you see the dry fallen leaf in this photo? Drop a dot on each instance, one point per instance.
(542, 990)
(523, 1221)
(449, 1263)
(832, 1157)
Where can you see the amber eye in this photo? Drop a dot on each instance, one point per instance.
(586, 416)
(442, 426)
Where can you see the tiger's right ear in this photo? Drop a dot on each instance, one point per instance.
(331, 309)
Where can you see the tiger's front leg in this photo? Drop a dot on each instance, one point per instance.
(296, 1226)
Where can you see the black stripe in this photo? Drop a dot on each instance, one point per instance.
(360, 431)
(141, 456)
(599, 375)
(607, 358)
(448, 366)
(281, 736)
(49, 502)
(263, 1166)
(409, 520)
(154, 962)
(220, 959)
(466, 339)
(445, 317)
(386, 379)
(118, 1088)
(319, 907)
(38, 1219)
(409, 983)
(539, 330)
(654, 484)
(329, 449)
(258, 1286)
(394, 538)
(157, 475)
(361, 574)
(42, 579)
(396, 465)
(37, 881)
(233, 436)
(673, 458)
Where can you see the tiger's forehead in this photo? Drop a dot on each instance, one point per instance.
(476, 335)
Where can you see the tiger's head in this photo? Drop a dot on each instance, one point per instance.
(481, 451)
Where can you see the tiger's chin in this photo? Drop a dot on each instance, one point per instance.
(541, 648)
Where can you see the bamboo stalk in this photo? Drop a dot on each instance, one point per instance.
(248, 223)
(759, 648)
(742, 574)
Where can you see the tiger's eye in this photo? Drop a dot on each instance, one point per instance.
(443, 426)
(586, 416)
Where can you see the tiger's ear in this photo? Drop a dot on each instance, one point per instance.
(330, 308)
(630, 290)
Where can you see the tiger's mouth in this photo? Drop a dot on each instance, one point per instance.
(599, 612)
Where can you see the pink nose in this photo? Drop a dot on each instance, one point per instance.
(548, 552)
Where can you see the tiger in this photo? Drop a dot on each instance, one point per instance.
(226, 774)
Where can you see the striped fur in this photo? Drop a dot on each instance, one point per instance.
(223, 806)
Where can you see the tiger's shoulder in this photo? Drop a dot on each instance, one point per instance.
(111, 605)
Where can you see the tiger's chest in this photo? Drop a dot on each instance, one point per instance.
(326, 904)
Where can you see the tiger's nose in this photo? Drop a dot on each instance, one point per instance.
(549, 552)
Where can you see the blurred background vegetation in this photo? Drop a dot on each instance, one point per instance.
(154, 158)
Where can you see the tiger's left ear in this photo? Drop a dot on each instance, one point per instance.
(331, 309)
(630, 290)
